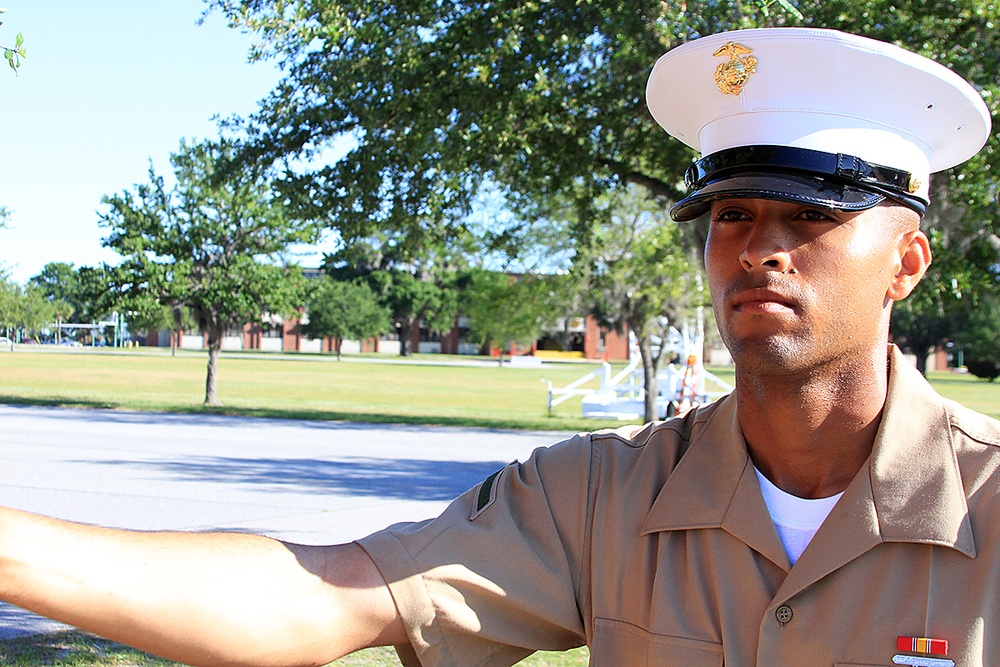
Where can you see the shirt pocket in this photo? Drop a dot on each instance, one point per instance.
(617, 643)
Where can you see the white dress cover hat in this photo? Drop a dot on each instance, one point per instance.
(814, 116)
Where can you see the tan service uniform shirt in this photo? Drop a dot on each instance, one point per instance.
(654, 547)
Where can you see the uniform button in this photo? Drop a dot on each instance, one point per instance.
(783, 613)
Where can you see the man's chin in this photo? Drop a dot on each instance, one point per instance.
(769, 355)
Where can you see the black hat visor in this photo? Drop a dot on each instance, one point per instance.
(795, 188)
(799, 175)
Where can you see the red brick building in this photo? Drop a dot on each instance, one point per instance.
(586, 339)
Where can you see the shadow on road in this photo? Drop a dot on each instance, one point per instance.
(401, 479)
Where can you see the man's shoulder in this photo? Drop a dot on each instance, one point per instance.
(975, 438)
(972, 425)
(674, 434)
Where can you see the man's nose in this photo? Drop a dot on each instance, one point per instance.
(767, 248)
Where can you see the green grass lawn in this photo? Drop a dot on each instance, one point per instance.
(298, 386)
(968, 390)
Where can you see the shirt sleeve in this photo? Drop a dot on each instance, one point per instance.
(498, 574)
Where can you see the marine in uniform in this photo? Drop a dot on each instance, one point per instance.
(655, 547)
(832, 511)
(667, 544)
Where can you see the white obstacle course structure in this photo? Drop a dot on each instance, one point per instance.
(117, 322)
(681, 385)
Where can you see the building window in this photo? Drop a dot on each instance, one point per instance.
(271, 330)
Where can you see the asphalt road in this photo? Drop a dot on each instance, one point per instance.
(302, 481)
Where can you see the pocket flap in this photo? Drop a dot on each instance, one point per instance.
(617, 643)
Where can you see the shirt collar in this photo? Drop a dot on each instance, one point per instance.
(909, 491)
(918, 491)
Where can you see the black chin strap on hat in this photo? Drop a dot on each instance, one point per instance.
(839, 168)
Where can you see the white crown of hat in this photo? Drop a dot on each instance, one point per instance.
(823, 90)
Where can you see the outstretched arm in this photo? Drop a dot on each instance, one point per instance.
(199, 598)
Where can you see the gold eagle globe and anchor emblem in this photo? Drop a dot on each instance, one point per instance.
(731, 76)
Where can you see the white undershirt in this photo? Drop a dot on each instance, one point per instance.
(797, 519)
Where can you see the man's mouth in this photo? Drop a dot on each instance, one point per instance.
(763, 301)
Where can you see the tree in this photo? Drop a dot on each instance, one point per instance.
(26, 310)
(980, 340)
(35, 311)
(9, 304)
(410, 274)
(344, 310)
(438, 99)
(437, 102)
(94, 300)
(537, 95)
(640, 276)
(412, 300)
(58, 282)
(508, 310)
(61, 311)
(962, 278)
(926, 319)
(209, 244)
(434, 102)
(81, 293)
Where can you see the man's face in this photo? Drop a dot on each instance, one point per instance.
(796, 287)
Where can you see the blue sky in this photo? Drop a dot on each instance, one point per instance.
(106, 87)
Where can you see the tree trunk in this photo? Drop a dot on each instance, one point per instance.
(339, 343)
(211, 379)
(405, 331)
(650, 383)
(174, 336)
(922, 361)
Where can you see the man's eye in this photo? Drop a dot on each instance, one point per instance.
(814, 215)
(729, 215)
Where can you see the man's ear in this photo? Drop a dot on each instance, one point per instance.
(914, 258)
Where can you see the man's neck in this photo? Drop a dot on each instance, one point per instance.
(810, 434)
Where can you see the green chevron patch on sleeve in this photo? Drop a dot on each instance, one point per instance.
(486, 494)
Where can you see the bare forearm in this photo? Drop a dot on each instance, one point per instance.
(203, 599)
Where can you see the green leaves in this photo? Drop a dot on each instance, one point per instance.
(949, 304)
(344, 310)
(503, 309)
(14, 54)
(440, 100)
(637, 266)
(785, 6)
(434, 102)
(28, 309)
(979, 339)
